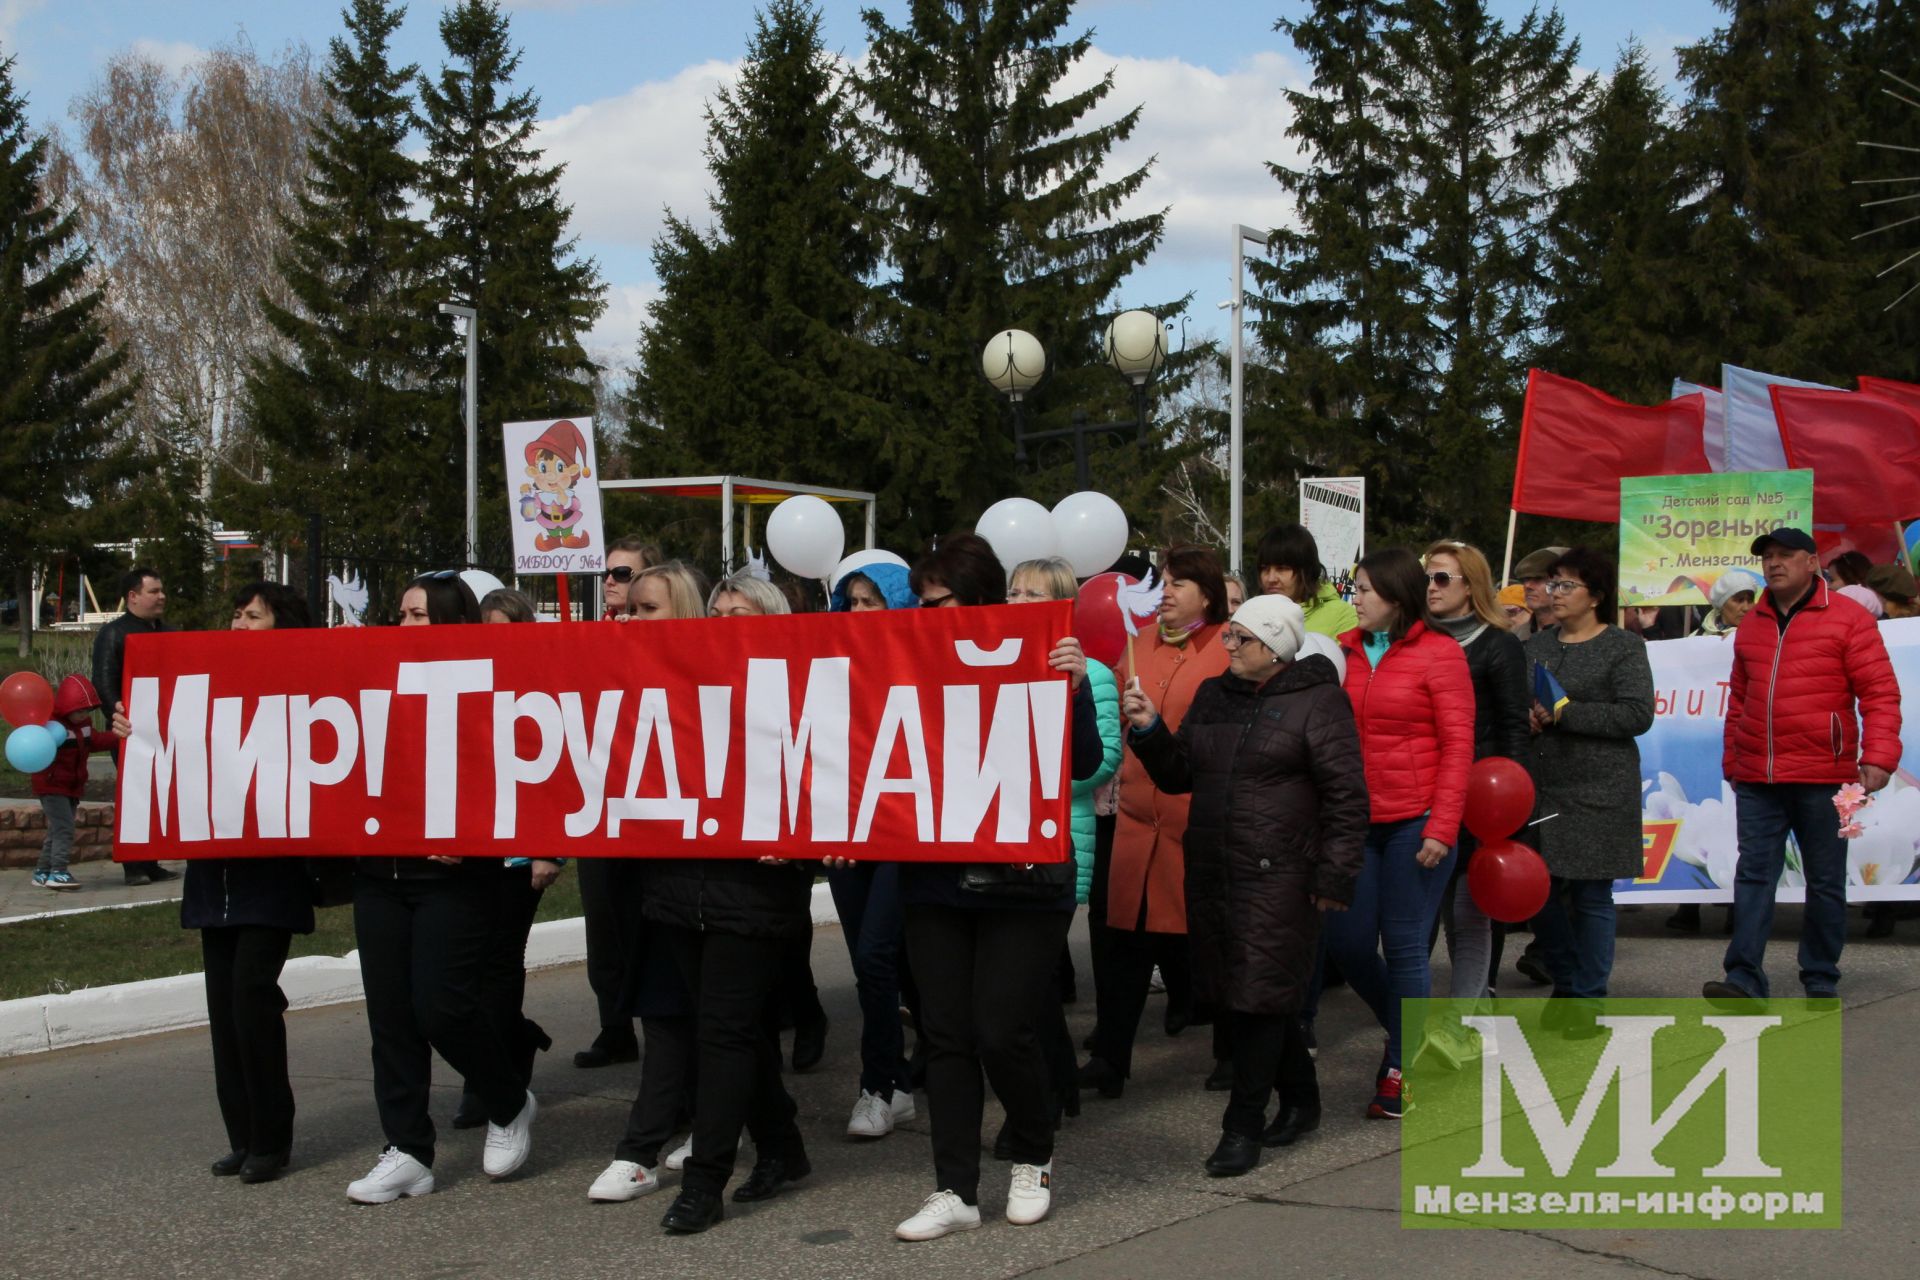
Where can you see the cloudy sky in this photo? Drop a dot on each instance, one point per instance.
(623, 84)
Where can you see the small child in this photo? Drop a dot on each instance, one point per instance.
(60, 785)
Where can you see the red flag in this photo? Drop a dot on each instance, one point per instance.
(1905, 393)
(1577, 444)
(1864, 453)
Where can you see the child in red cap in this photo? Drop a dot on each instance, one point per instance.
(60, 785)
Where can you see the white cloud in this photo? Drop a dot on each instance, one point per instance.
(614, 336)
(173, 55)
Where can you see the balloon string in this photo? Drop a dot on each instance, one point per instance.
(1537, 821)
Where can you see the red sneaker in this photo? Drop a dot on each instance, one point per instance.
(1389, 1100)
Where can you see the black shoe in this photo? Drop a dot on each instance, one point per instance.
(1097, 1074)
(810, 1043)
(608, 1048)
(768, 1176)
(1685, 917)
(137, 878)
(1292, 1124)
(264, 1168)
(1236, 1154)
(1178, 1019)
(1879, 920)
(229, 1164)
(1728, 996)
(693, 1212)
(1557, 1013)
(1531, 969)
(1222, 1077)
(157, 873)
(472, 1113)
(1090, 1039)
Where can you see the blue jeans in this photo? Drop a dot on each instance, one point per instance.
(1575, 929)
(1765, 812)
(867, 898)
(1395, 902)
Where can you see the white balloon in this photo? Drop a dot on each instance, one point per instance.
(860, 560)
(1091, 531)
(1018, 529)
(480, 582)
(805, 535)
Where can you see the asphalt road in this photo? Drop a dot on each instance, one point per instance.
(104, 1152)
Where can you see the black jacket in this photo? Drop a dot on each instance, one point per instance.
(273, 893)
(741, 896)
(1502, 696)
(1279, 816)
(110, 651)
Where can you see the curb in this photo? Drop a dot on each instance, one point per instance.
(41, 1024)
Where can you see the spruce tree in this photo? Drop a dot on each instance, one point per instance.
(1346, 380)
(1885, 38)
(501, 244)
(354, 428)
(1616, 244)
(759, 357)
(1000, 215)
(61, 388)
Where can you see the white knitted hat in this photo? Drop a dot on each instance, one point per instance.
(1276, 621)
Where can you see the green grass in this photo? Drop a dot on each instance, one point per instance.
(56, 654)
(101, 948)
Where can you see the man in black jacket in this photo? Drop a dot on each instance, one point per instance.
(144, 598)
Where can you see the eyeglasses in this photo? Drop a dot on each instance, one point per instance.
(620, 573)
(936, 602)
(1232, 639)
(1562, 586)
(1443, 579)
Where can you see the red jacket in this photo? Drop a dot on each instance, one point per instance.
(1790, 702)
(1415, 712)
(74, 703)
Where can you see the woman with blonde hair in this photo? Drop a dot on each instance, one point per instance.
(1462, 602)
(744, 596)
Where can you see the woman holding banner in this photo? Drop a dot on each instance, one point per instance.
(426, 932)
(247, 911)
(1413, 699)
(1586, 767)
(984, 941)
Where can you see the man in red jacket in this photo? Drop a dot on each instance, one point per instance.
(1802, 658)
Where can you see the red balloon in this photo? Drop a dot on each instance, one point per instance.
(1499, 798)
(25, 698)
(1509, 881)
(1098, 622)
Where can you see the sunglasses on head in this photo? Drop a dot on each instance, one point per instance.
(621, 573)
(440, 575)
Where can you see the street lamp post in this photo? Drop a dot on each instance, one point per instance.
(1236, 431)
(1014, 362)
(472, 317)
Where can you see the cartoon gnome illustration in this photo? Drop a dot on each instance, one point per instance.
(556, 462)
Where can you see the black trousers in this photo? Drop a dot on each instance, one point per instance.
(1269, 1054)
(799, 996)
(668, 1069)
(1120, 992)
(984, 985)
(733, 981)
(1099, 932)
(609, 901)
(424, 951)
(244, 1014)
(503, 982)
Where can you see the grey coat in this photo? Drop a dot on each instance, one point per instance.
(1586, 768)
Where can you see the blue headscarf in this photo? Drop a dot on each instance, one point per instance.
(889, 579)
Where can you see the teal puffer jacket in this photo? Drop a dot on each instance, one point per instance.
(1106, 708)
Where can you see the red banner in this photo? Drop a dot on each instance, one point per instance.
(1577, 444)
(1864, 453)
(936, 735)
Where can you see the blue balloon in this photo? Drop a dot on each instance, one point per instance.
(30, 748)
(58, 730)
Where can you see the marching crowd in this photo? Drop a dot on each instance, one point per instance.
(1266, 803)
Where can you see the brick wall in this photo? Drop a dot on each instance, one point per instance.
(23, 826)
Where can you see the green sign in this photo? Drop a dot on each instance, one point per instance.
(1679, 533)
(1550, 1114)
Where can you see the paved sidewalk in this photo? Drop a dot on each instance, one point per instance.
(103, 884)
(106, 1149)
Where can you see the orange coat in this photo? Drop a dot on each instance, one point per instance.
(1149, 853)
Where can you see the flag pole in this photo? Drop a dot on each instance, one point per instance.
(1513, 524)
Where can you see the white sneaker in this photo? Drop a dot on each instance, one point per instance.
(1157, 984)
(943, 1213)
(872, 1117)
(903, 1105)
(394, 1175)
(1030, 1194)
(508, 1144)
(623, 1180)
(677, 1158)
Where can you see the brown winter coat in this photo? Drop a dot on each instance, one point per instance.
(1279, 815)
(1148, 864)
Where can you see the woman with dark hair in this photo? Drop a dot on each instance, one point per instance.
(521, 886)
(1586, 766)
(1146, 881)
(426, 932)
(1412, 696)
(984, 943)
(1289, 561)
(1850, 569)
(247, 911)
